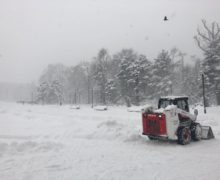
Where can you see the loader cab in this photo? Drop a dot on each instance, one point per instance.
(180, 101)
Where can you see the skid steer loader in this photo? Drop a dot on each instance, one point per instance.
(173, 121)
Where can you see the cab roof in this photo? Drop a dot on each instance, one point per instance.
(174, 97)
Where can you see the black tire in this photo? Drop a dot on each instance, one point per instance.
(151, 138)
(196, 132)
(184, 135)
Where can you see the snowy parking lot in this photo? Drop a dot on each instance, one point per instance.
(52, 142)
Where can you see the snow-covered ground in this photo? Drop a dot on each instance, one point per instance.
(60, 143)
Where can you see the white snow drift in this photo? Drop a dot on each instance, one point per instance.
(58, 143)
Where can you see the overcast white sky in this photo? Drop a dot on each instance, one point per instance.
(34, 33)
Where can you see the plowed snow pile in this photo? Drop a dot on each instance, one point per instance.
(59, 143)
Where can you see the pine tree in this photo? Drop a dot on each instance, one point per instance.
(162, 74)
(111, 91)
(53, 77)
(78, 83)
(56, 90)
(101, 72)
(42, 92)
(192, 82)
(125, 77)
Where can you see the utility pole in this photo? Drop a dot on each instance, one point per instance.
(203, 92)
(88, 85)
(79, 96)
(92, 97)
(75, 100)
(171, 88)
(32, 98)
(182, 67)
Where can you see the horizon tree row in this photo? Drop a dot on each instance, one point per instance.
(131, 78)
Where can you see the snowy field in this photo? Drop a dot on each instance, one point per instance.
(59, 143)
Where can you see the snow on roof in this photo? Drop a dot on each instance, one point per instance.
(173, 97)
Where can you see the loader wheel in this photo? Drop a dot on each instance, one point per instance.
(196, 132)
(184, 135)
(151, 138)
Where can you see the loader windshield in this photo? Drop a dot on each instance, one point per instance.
(181, 103)
(163, 103)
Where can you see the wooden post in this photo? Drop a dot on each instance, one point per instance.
(79, 98)
(203, 93)
(75, 100)
(88, 85)
(92, 97)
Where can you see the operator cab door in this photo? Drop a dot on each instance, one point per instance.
(182, 104)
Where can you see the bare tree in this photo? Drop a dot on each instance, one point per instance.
(208, 40)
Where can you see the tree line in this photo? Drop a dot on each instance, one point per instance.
(128, 77)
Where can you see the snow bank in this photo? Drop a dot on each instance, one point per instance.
(140, 108)
(135, 109)
(100, 108)
(75, 107)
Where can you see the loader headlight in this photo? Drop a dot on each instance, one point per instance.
(160, 116)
